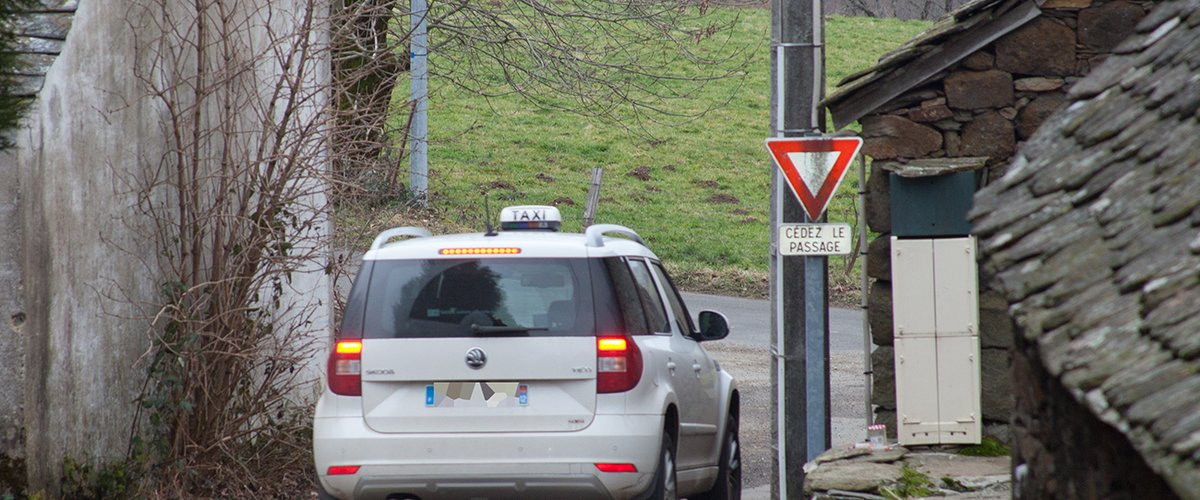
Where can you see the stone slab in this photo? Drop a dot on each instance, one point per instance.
(1066, 4)
(1102, 27)
(879, 201)
(929, 167)
(979, 89)
(890, 136)
(859, 476)
(879, 311)
(1040, 48)
(1038, 84)
(989, 135)
(951, 464)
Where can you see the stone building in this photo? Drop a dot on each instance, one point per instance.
(1092, 237)
(965, 95)
(74, 267)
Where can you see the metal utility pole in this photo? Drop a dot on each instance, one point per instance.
(800, 307)
(418, 170)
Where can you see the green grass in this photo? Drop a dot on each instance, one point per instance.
(705, 206)
(989, 446)
(912, 483)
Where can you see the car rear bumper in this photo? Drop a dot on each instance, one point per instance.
(490, 465)
(490, 487)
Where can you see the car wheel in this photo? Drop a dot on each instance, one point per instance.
(322, 494)
(664, 487)
(729, 475)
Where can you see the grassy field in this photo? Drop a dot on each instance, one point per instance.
(697, 190)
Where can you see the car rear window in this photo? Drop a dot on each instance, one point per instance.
(479, 297)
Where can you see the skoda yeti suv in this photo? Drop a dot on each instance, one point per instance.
(524, 363)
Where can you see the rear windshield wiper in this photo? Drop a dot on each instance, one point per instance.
(481, 329)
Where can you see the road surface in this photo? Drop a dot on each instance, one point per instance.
(746, 354)
(750, 321)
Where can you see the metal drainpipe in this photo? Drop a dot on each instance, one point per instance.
(863, 246)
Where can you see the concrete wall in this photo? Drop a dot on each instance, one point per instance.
(77, 279)
(12, 324)
(81, 341)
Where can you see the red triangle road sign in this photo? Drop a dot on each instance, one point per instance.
(814, 167)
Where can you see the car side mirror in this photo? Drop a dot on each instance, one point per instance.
(713, 326)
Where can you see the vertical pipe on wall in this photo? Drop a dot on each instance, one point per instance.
(864, 302)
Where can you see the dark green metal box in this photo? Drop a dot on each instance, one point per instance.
(931, 206)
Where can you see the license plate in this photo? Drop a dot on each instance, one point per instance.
(476, 395)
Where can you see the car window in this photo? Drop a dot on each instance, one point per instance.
(628, 295)
(444, 298)
(682, 318)
(656, 314)
(356, 304)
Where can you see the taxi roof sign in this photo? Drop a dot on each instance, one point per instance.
(537, 217)
(814, 167)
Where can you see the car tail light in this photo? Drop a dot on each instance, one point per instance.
(345, 368)
(616, 467)
(342, 470)
(618, 364)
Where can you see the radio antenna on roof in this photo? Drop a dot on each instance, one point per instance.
(487, 217)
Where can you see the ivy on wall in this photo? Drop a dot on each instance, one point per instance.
(12, 107)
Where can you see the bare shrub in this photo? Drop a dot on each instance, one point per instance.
(237, 213)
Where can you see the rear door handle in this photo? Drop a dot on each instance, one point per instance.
(698, 368)
(671, 366)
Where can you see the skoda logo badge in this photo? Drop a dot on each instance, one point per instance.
(476, 358)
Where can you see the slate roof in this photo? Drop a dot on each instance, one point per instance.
(952, 37)
(1093, 235)
(41, 33)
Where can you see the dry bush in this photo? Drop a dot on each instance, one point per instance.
(236, 211)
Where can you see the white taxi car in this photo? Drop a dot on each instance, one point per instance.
(524, 363)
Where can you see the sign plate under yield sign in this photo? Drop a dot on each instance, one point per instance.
(815, 239)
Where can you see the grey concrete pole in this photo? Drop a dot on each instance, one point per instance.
(800, 325)
(418, 170)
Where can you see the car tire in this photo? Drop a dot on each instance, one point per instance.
(322, 494)
(729, 476)
(665, 487)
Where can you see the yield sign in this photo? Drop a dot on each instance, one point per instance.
(814, 167)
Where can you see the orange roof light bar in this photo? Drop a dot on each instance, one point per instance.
(480, 251)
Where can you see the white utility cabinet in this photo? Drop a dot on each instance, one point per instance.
(935, 310)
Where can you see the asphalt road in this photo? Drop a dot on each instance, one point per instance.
(750, 321)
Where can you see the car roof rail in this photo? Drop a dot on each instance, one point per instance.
(386, 236)
(595, 234)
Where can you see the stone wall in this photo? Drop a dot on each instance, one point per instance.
(985, 105)
(1064, 450)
